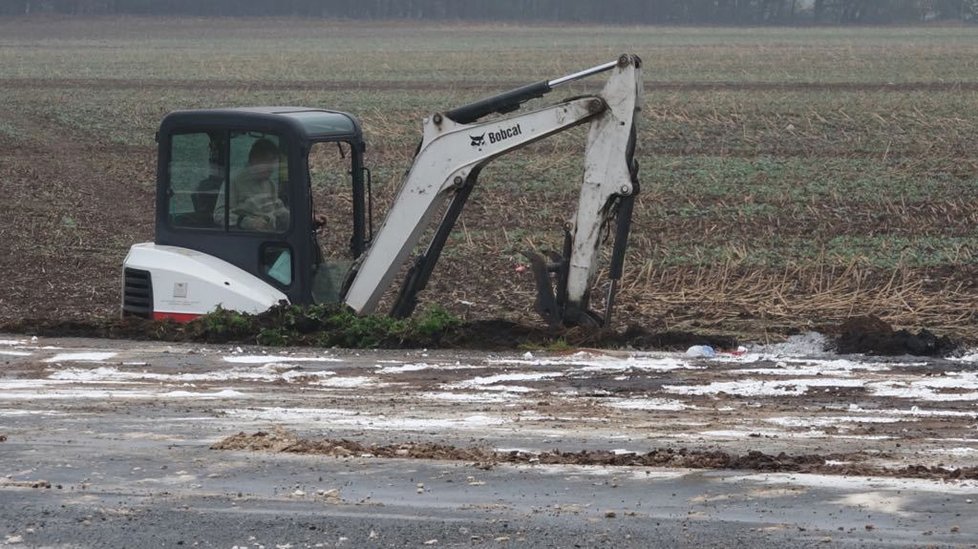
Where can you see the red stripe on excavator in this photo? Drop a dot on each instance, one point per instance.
(176, 317)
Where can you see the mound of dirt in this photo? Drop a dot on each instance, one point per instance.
(281, 440)
(639, 338)
(872, 335)
(493, 335)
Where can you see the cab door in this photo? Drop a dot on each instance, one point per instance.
(336, 181)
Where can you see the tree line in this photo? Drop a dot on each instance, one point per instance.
(712, 12)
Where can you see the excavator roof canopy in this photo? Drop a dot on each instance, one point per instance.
(306, 123)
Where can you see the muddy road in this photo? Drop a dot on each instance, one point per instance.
(115, 443)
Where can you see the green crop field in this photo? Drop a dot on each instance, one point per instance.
(790, 177)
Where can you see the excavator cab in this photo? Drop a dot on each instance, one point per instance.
(238, 189)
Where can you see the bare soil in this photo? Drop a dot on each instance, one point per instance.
(74, 202)
(68, 211)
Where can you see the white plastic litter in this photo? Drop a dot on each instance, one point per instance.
(701, 351)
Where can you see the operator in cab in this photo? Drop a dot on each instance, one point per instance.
(255, 201)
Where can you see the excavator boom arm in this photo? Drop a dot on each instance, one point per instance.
(454, 148)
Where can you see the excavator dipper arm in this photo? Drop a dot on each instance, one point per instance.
(454, 148)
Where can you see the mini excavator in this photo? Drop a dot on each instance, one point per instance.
(214, 246)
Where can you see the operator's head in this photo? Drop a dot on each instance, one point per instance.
(263, 157)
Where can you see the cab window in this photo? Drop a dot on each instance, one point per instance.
(196, 175)
(258, 200)
(331, 181)
(203, 167)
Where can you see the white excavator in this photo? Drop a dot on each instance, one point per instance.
(236, 226)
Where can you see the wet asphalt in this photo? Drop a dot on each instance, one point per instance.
(97, 490)
(84, 472)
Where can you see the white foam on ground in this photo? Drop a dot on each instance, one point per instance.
(12, 342)
(892, 504)
(349, 418)
(267, 359)
(470, 397)
(488, 383)
(499, 388)
(922, 393)
(826, 421)
(790, 371)
(404, 368)
(651, 364)
(839, 482)
(588, 362)
(806, 344)
(971, 356)
(224, 393)
(33, 384)
(913, 411)
(81, 357)
(16, 413)
(754, 387)
(952, 439)
(346, 382)
(529, 376)
(268, 372)
(651, 404)
(112, 394)
(517, 450)
(629, 472)
(956, 451)
(751, 433)
(809, 367)
(810, 344)
(929, 388)
(293, 414)
(771, 433)
(900, 364)
(16, 353)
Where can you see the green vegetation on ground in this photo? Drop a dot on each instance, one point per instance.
(321, 325)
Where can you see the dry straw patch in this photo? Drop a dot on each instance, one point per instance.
(731, 295)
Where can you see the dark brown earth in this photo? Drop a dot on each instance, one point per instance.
(74, 202)
(286, 442)
(67, 214)
(870, 334)
(866, 334)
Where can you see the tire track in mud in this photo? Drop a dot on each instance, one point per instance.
(427, 85)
